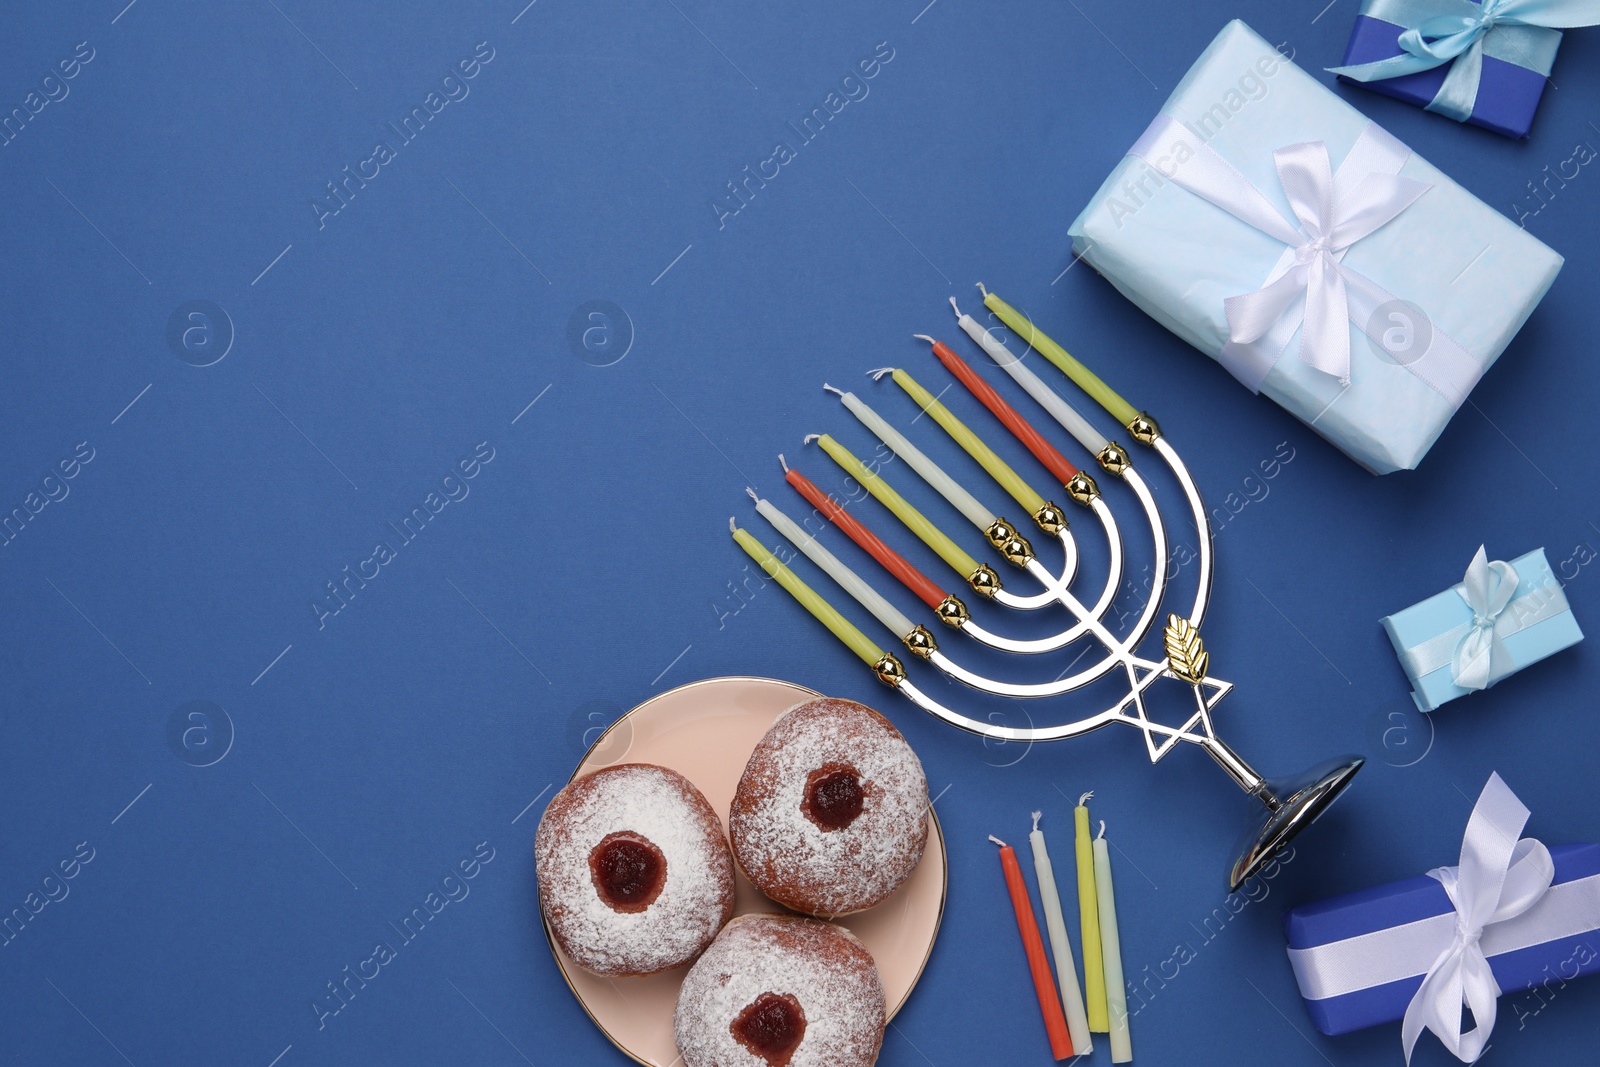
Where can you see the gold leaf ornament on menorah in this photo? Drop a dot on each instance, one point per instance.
(1186, 652)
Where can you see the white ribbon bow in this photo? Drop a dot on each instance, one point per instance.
(1499, 878)
(1309, 290)
(1488, 589)
(1311, 266)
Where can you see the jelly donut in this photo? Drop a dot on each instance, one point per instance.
(781, 991)
(831, 813)
(633, 869)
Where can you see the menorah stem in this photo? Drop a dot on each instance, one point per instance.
(1243, 775)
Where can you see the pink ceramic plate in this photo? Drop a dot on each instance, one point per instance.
(706, 731)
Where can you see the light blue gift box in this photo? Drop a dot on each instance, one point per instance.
(1537, 623)
(1474, 274)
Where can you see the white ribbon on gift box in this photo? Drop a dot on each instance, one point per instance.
(1309, 286)
(1494, 891)
(1476, 650)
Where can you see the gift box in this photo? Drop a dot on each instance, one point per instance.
(1409, 286)
(1512, 916)
(1478, 61)
(1500, 618)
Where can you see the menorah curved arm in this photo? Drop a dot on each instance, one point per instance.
(1056, 732)
(1148, 612)
(1078, 629)
(1047, 597)
(908, 689)
(1016, 690)
(1050, 594)
(1202, 523)
(1158, 568)
(1120, 654)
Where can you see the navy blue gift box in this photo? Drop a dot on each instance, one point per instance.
(1508, 96)
(1393, 913)
(1514, 41)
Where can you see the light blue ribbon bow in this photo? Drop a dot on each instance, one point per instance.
(1459, 31)
(1475, 651)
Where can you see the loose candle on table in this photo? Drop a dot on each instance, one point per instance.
(841, 627)
(1046, 397)
(896, 564)
(1055, 923)
(930, 472)
(892, 618)
(952, 553)
(1094, 975)
(1054, 1023)
(998, 469)
(1111, 950)
(1085, 378)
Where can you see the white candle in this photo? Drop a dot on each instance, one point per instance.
(1066, 968)
(931, 472)
(1111, 953)
(1063, 412)
(849, 580)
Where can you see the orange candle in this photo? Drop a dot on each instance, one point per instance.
(1032, 439)
(892, 561)
(1044, 985)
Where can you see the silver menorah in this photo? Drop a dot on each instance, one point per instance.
(1289, 804)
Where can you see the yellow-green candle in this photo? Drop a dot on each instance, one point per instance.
(1094, 976)
(914, 520)
(1111, 952)
(998, 469)
(1085, 378)
(842, 628)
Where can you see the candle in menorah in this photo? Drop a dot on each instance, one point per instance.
(1180, 657)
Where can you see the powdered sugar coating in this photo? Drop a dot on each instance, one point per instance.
(696, 897)
(790, 857)
(821, 965)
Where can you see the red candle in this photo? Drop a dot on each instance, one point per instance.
(1042, 450)
(892, 561)
(1044, 985)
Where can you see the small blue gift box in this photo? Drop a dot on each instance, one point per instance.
(1365, 937)
(1516, 61)
(1450, 646)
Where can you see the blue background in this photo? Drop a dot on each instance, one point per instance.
(590, 567)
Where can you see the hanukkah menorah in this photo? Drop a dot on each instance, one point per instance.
(1179, 658)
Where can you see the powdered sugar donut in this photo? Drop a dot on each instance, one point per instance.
(831, 813)
(781, 991)
(633, 869)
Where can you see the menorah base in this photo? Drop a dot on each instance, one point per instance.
(1292, 804)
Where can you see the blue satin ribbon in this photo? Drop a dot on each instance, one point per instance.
(1460, 32)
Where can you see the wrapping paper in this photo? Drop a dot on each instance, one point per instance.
(1511, 86)
(1402, 914)
(1468, 270)
(1541, 600)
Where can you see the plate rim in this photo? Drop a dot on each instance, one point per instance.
(936, 828)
